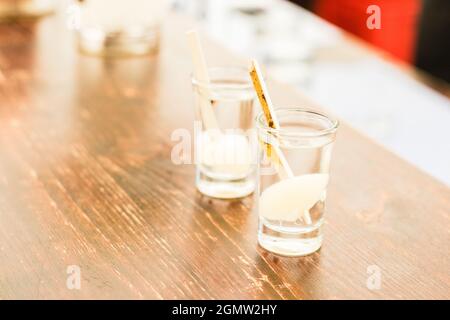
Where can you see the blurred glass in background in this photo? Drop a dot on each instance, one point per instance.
(17, 9)
(282, 38)
(119, 27)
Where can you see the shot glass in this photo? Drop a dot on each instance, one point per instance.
(293, 175)
(225, 138)
(118, 28)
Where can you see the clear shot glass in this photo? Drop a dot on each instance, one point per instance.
(118, 28)
(293, 175)
(225, 136)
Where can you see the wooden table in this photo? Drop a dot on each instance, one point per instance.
(86, 179)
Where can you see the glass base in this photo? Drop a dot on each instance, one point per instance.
(125, 43)
(292, 244)
(225, 189)
(25, 9)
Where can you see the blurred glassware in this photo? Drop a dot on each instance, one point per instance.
(19, 9)
(197, 8)
(118, 28)
(284, 38)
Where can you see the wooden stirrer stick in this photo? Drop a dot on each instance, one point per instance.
(272, 121)
(202, 76)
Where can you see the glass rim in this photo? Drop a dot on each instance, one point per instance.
(261, 123)
(93, 33)
(211, 85)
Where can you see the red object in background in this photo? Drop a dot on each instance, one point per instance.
(398, 22)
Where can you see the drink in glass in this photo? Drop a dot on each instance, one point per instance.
(224, 146)
(291, 203)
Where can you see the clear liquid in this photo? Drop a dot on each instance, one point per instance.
(226, 162)
(291, 209)
(120, 28)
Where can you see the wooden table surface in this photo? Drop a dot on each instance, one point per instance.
(86, 179)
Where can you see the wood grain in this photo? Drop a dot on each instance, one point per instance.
(86, 179)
